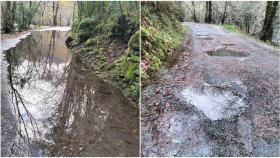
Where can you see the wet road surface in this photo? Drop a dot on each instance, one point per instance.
(52, 105)
(221, 98)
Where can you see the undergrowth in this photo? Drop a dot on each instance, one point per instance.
(97, 39)
(161, 34)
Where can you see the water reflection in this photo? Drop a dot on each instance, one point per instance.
(35, 76)
(93, 118)
(64, 109)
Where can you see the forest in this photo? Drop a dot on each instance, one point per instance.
(260, 19)
(18, 16)
(140, 78)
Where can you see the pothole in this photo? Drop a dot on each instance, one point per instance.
(214, 102)
(199, 35)
(204, 37)
(228, 44)
(226, 52)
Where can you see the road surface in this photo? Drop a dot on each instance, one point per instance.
(220, 98)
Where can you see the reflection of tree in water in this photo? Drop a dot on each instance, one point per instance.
(78, 114)
(93, 118)
(90, 117)
(33, 60)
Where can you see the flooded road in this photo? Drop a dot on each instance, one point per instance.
(221, 98)
(52, 105)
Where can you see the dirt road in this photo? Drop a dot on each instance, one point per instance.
(221, 98)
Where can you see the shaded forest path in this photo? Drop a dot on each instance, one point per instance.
(220, 98)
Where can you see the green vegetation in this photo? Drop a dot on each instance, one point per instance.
(233, 28)
(259, 19)
(236, 29)
(108, 33)
(161, 34)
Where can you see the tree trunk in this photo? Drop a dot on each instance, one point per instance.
(194, 14)
(208, 13)
(80, 9)
(60, 18)
(224, 14)
(103, 8)
(42, 15)
(14, 12)
(55, 10)
(7, 18)
(73, 16)
(29, 19)
(267, 30)
(68, 23)
(120, 4)
(136, 4)
(23, 19)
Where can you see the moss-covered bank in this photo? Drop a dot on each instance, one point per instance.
(161, 34)
(110, 45)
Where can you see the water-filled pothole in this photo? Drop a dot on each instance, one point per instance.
(204, 37)
(226, 52)
(228, 44)
(214, 102)
(199, 35)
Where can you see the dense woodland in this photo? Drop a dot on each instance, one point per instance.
(21, 15)
(257, 18)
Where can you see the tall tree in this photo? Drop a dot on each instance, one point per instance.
(55, 11)
(42, 13)
(14, 12)
(194, 14)
(60, 18)
(80, 9)
(208, 12)
(224, 14)
(73, 14)
(121, 9)
(267, 29)
(7, 18)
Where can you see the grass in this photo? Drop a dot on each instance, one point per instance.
(233, 28)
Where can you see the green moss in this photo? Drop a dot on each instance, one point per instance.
(133, 43)
(161, 34)
(75, 26)
(91, 42)
(86, 28)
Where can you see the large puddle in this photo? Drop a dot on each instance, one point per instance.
(215, 103)
(63, 108)
(226, 52)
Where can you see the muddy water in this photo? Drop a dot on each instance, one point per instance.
(60, 107)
